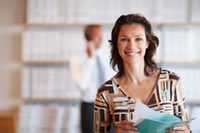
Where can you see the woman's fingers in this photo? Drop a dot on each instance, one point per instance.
(126, 124)
(182, 129)
(179, 129)
(126, 127)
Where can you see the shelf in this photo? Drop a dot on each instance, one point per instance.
(42, 100)
(193, 102)
(12, 29)
(11, 66)
(156, 24)
(46, 62)
(187, 64)
(65, 24)
(174, 24)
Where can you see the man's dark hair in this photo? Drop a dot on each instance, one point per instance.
(88, 31)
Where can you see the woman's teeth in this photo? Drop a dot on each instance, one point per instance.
(132, 52)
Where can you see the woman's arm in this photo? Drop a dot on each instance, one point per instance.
(102, 117)
(179, 109)
(179, 102)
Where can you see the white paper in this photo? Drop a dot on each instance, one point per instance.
(141, 111)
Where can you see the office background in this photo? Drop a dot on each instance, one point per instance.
(41, 44)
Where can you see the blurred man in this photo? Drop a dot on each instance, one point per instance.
(94, 72)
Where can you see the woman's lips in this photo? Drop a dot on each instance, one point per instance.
(132, 52)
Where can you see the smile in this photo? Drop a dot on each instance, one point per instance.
(132, 52)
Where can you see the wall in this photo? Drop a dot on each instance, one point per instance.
(12, 20)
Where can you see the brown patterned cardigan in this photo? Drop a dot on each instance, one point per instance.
(113, 105)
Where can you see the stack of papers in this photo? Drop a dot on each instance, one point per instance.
(149, 121)
(158, 123)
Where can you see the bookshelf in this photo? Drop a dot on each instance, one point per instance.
(154, 24)
(53, 45)
(46, 62)
(42, 100)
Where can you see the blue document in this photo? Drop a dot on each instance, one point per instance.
(158, 123)
(148, 120)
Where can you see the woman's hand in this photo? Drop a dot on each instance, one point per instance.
(179, 129)
(125, 127)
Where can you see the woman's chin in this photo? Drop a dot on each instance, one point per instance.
(133, 57)
(132, 61)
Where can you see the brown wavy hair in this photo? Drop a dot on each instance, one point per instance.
(116, 60)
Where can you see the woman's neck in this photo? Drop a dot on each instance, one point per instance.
(134, 73)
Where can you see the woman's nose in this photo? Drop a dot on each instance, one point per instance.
(132, 43)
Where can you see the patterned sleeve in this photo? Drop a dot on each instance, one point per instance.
(179, 102)
(102, 118)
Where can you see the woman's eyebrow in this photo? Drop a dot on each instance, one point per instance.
(122, 35)
(135, 35)
(138, 35)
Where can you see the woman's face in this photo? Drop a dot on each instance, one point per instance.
(132, 42)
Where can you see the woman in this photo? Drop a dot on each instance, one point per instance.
(133, 46)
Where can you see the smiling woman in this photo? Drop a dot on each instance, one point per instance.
(132, 42)
(138, 78)
(141, 31)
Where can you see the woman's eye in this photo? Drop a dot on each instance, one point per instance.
(123, 39)
(138, 39)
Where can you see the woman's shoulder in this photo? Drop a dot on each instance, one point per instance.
(168, 75)
(106, 87)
